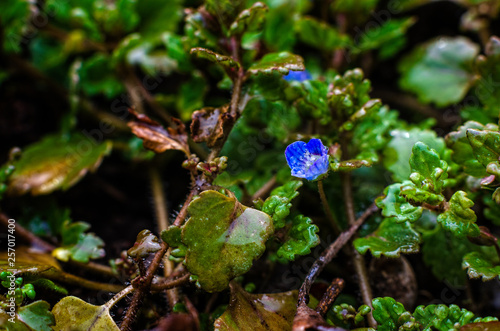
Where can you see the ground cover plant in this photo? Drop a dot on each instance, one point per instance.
(249, 165)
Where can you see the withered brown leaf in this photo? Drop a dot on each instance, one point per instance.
(158, 139)
(208, 124)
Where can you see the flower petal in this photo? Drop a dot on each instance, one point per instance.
(295, 154)
(315, 146)
(319, 167)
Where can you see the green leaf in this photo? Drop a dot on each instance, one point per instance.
(463, 152)
(71, 311)
(319, 34)
(33, 317)
(223, 238)
(443, 318)
(399, 149)
(249, 19)
(117, 17)
(486, 148)
(460, 219)
(281, 62)
(440, 71)
(394, 205)
(158, 16)
(56, 162)
(301, 238)
(390, 239)
(392, 316)
(486, 89)
(246, 311)
(389, 37)
(428, 176)
(480, 265)
(278, 204)
(145, 244)
(443, 253)
(225, 61)
(172, 236)
(78, 245)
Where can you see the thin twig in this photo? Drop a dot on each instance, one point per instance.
(358, 259)
(330, 253)
(181, 217)
(120, 295)
(21, 232)
(266, 188)
(332, 292)
(329, 214)
(171, 283)
(63, 277)
(144, 287)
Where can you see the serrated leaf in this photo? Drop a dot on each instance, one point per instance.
(479, 265)
(394, 205)
(281, 62)
(428, 170)
(249, 19)
(443, 318)
(302, 236)
(390, 239)
(33, 317)
(460, 219)
(399, 149)
(55, 163)
(223, 238)
(440, 71)
(223, 60)
(486, 148)
(278, 204)
(391, 315)
(71, 311)
(463, 152)
(259, 312)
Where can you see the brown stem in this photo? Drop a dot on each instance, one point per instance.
(330, 253)
(358, 259)
(144, 287)
(331, 217)
(63, 277)
(330, 295)
(170, 283)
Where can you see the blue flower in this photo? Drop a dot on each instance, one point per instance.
(309, 160)
(299, 76)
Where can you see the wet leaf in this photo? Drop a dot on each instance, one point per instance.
(390, 239)
(301, 237)
(281, 62)
(460, 219)
(278, 204)
(391, 315)
(225, 61)
(223, 238)
(480, 265)
(71, 311)
(208, 124)
(486, 148)
(394, 205)
(55, 162)
(145, 244)
(481, 326)
(399, 149)
(249, 19)
(443, 318)
(440, 71)
(157, 138)
(33, 317)
(29, 262)
(265, 312)
(463, 152)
